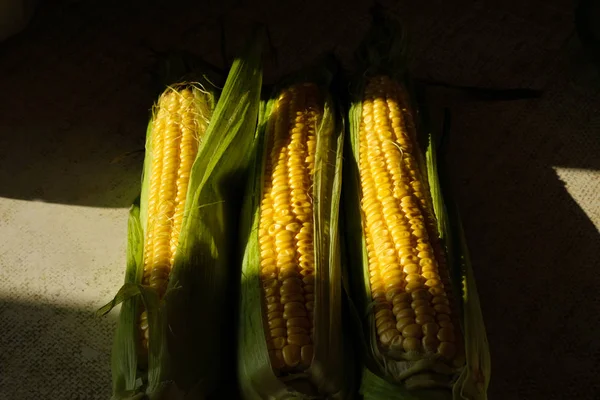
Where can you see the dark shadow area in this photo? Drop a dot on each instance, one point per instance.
(54, 352)
(534, 250)
(525, 176)
(81, 80)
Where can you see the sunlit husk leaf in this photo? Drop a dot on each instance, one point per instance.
(329, 368)
(190, 335)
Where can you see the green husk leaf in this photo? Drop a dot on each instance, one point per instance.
(427, 378)
(474, 379)
(325, 377)
(124, 354)
(188, 342)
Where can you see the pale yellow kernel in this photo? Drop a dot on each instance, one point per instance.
(424, 310)
(442, 317)
(306, 354)
(299, 339)
(430, 275)
(420, 295)
(278, 332)
(419, 303)
(446, 334)
(442, 309)
(413, 330)
(274, 307)
(386, 312)
(411, 269)
(430, 343)
(294, 297)
(401, 298)
(414, 285)
(430, 329)
(436, 291)
(274, 315)
(445, 323)
(291, 355)
(383, 325)
(440, 300)
(300, 322)
(433, 283)
(411, 344)
(290, 289)
(403, 322)
(276, 323)
(405, 313)
(423, 319)
(279, 342)
(399, 307)
(388, 336)
(447, 350)
(293, 313)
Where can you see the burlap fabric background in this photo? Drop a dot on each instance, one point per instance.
(76, 90)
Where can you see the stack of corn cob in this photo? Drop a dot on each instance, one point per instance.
(409, 330)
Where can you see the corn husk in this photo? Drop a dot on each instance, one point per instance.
(189, 340)
(325, 376)
(429, 378)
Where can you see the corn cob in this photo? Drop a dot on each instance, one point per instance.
(294, 290)
(414, 299)
(181, 117)
(180, 236)
(408, 273)
(286, 229)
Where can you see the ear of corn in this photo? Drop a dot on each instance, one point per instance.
(291, 343)
(404, 263)
(179, 239)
